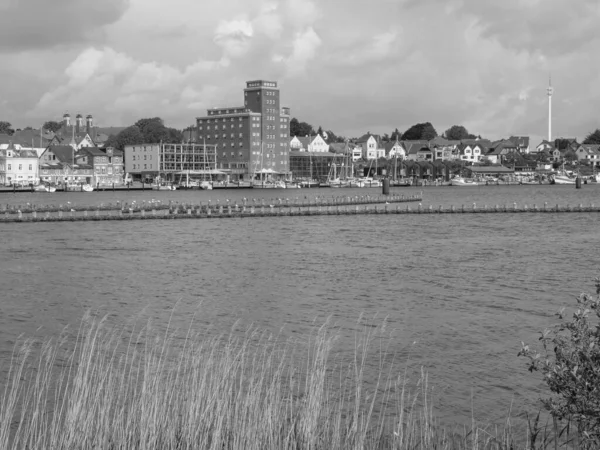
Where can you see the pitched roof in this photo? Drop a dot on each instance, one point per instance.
(483, 143)
(390, 145)
(64, 153)
(545, 142)
(365, 137)
(591, 148)
(520, 141)
(438, 140)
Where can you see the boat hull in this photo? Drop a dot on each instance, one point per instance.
(163, 188)
(463, 182)
(563, 180)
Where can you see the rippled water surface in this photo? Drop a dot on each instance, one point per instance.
(460, 291)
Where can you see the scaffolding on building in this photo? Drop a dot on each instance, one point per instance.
(193, 158)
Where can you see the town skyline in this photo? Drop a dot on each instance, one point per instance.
(352, 70)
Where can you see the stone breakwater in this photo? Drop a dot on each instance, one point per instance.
(371, 205)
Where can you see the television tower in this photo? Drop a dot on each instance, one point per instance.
(550, 91)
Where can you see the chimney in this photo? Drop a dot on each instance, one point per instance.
(78, 123)
(89, 122)
(67, 120)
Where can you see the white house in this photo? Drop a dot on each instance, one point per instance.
(589, 152)
(469, 152)
(18, 167)
(395, 150)
(522, 143)
(370, 146)
(544, 145)
(309, 144)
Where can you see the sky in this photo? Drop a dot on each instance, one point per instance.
(350, 66)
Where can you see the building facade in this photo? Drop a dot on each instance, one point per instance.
(314, 165)
(309, 144)
(144, 162)
(58, 166)
(18, 167)
(250, 138)
(107, 165)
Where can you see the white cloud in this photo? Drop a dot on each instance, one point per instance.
(304, 51)
(349, 67)
(234, 36)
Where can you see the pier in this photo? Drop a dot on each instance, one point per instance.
(219, 211)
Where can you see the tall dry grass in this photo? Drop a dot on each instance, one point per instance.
(110, 388)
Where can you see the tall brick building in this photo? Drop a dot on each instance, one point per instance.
(252, 137)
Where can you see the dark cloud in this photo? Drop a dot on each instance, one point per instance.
(43, 24)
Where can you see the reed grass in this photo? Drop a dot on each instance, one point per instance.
(117, 388)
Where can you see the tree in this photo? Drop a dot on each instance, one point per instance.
(458, 133)
(385, 137)
(569, 366)
(129, 136)
(300, 128)
(142, 124)
(112, 141)
(593, 137)
(52, 126)
(420, 131)
(570, 156)
(6, 128)
(396, 135)
(174, 136)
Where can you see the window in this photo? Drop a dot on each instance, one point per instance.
(145, 167)
(30, 167)
(9, 167)
(20, 166)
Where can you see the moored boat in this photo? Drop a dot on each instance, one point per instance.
(563, 178)
(309, 184)
(461, 181)
(268, 184)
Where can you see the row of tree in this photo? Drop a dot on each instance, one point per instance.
(150, 130)
(420, 131)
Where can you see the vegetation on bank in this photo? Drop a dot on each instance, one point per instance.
(130, 388)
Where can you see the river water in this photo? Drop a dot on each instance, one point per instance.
(460, 291)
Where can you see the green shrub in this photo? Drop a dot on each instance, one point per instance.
(570, 365)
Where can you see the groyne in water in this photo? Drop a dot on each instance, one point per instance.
(181, 211)
(158, 205)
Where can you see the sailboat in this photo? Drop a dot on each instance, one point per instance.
(205, 184)
(263, 183)
(159, 184)
(563, 177)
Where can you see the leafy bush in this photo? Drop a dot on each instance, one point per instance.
(570, 364)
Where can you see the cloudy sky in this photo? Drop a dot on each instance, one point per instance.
(348, 65)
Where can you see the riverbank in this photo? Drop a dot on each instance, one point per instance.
(135, 388)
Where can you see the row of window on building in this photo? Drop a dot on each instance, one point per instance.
(9, 167)
(146, 166)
